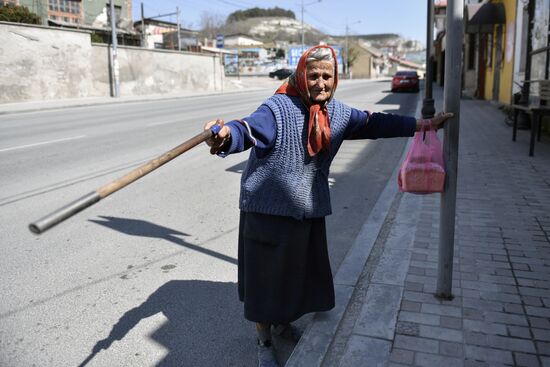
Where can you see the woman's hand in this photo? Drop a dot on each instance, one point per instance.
(220, 141)
(436, 121)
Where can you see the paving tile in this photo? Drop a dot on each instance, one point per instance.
(519, 332)
(415, 343)
(488, 354)
(451, 349)
(440, 333)
(419, 318)
(430, 360)
(527, 360)
(403, 356)
(451, 322)
(506, 318)
(442, 310)
(512, 344)
(541, 334)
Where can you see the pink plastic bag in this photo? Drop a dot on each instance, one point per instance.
(423, 170)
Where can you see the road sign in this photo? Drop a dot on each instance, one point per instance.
(219, 41)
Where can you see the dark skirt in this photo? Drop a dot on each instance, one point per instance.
(284, 269)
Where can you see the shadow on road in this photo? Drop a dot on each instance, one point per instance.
(238, 168)
(204, 327)
(141, 228)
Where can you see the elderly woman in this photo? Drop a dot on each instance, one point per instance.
(283, 265)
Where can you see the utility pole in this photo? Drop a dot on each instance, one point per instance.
(178, 21)
(142, 26)
(451, 103)
(114, 63)
(346, 64)
(428, 110)
(302, 26)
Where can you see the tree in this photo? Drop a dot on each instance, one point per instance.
(18, 14)
(211, 24)
(353, 54)
(259, 12)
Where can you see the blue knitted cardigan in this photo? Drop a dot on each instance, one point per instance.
(287, 181)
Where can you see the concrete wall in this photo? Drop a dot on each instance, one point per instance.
(40, 63)
(145, 71)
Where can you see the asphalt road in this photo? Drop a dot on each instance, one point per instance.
(147, 277)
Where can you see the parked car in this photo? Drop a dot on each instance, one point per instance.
(281, 73)
(405, 80)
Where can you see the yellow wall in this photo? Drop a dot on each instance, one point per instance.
(507, 66)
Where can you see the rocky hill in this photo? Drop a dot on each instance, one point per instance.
(275, 29)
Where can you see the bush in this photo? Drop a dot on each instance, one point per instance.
(96, 38)
(18, 14)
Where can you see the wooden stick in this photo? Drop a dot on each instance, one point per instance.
(50, 220)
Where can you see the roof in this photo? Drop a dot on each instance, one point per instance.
(373, 50)
(218, 50)
(409, 64)
(87, 27)
(485, 13)
(148, 21)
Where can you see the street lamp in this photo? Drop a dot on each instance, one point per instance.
(311, 3)
(346, 64)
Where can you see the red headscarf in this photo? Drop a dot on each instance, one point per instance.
(318, 132)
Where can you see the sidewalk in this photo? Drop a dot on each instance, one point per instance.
(386, 314)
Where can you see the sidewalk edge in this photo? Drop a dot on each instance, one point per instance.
(100, 101)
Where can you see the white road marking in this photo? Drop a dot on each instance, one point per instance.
(164, 122)
(42, 143)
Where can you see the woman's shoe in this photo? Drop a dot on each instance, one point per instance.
(266, 354)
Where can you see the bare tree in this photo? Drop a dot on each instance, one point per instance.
(211, 24)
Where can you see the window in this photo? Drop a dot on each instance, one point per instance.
(68, 10)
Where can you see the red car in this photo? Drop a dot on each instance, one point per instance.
(405, 80)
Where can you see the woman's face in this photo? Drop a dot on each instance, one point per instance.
(320, 80)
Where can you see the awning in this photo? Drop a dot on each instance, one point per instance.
(485, 13)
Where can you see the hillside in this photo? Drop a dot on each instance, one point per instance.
(270, 29)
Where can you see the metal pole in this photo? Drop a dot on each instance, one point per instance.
(114, 43)
(142, 26)
(302, 26)
(179, 35)
(428, 109)
(346, 64)
(451, 103)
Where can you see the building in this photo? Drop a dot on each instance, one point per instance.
(369, 62)
(164, 35)
(92, 15)
(78, 12)
(239, 40)
(506, 48)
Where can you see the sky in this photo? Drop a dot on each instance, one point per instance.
(404, 17)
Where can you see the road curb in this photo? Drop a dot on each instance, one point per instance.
(317, 338)
(81, 102)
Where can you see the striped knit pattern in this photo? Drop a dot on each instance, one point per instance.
(288, 181)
